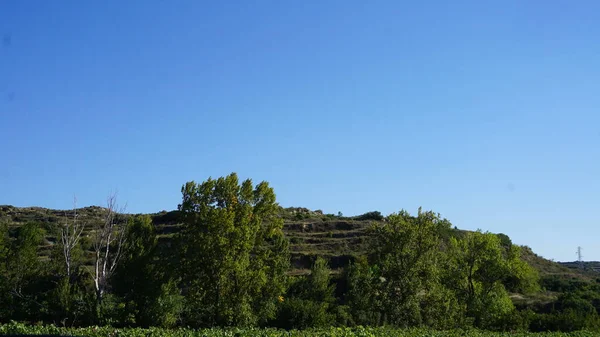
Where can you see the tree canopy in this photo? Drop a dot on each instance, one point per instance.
(234, 252)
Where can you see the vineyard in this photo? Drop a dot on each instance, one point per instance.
(21, 329)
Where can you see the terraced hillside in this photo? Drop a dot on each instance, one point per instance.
(337, 240)
(311, 234)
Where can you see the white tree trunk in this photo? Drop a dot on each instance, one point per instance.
(109, 238)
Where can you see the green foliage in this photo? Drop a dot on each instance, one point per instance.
(479, 270)
(234, 252)
(226, 264)
(21, 329)
(375, 215)
(167, 306)
(309, 301)
(405, 254)
(68, 299)
(297, 313)
(23, 273)
(568, 320)
(4, 265)
(505, 241)
(521, 277)
(362, 281)
(149, 295)
(71, 302)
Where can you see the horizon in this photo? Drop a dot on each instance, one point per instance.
(484, 113)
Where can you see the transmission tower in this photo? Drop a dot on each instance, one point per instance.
(579, 257)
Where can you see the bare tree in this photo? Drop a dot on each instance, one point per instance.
(70, 234)
(109, 236)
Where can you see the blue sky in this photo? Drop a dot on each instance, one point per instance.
(485, 112)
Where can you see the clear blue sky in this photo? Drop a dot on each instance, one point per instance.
(486, 113)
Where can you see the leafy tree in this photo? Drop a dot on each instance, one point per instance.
(404, 252)
(362, 281)
(166, 307)
(234, 253)
(478, 269)
(71, 301)
(68, 301)
(68, 298)
(133, 276)
(24, 270)
(5, 244)
(310, 301)
(318, 286)
(139, 280)
(520, 277)
(505, 241)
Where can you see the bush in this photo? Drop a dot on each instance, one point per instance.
(568, 320)
(375, 215)
(296, 313)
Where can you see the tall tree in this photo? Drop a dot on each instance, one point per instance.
(234, 252)
(136, 260)
(362, 297)
(405, 253)
(108, 239)
(478, 269)
(24, 271)
(67, 300)
(4, 276)
(140, 280)
(70, 234)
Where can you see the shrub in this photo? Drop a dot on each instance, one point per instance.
(375, 215)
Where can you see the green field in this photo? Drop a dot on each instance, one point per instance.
(18, 328)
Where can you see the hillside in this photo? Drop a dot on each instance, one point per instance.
(311, 234)
(562, 292)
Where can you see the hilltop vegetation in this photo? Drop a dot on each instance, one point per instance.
(231, 256)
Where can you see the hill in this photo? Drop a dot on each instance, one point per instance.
(311, 234)
(570, 288)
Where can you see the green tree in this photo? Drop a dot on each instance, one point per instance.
(362, 281)
(139, 280)
(521, 277)
(234, 253)
(132, 281)
(24, 270)
(405, 254)
(310, 301)
(478, 268)
(67, 300)
(5, 310)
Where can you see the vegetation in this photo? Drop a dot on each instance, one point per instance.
(234, 255)
(18, 329)
(230, 256)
